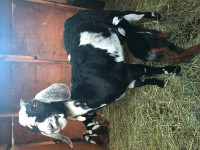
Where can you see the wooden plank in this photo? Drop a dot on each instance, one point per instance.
(36, 60)
(56, 4)
(16, 56)
(20, 58)
(58, 1)
(9, 115)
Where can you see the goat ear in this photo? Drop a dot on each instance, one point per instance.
(54, 93)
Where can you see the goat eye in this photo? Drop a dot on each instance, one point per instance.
(35, 104)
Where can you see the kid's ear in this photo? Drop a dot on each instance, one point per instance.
(55, 93)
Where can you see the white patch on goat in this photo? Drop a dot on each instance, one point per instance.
(69, 57)
(90, 124)
(93, 142)
(95, 127)
(52, 125)
(132, 84)
(166, 72)
(93, 135)
(121, 31)
(80, 118)
(145, 70)
(90, 131)
(74, 110)
(116, 20)
(153, 14)
(120, 97)
(145, 32)
(62, 121)
(24, 119)
(102, 105)
(111, 44)
(86, 132)
(133, 17)
(86, 138)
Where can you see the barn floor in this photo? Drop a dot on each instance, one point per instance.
(151, 118)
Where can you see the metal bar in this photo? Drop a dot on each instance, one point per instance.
(13, 141)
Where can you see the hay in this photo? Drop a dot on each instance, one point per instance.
(151, 118)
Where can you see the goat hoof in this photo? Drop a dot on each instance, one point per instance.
(172, 69)
(99, 133)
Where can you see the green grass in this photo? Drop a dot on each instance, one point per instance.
(152, 118)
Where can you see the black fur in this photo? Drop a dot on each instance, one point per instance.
(140, 41)
(44, 110)
(96, 78)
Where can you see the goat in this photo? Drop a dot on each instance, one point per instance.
(99, 74)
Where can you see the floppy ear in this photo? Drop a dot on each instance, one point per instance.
(54, 93)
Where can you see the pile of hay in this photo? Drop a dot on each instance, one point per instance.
(152, 118)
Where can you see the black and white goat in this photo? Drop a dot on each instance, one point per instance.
(99, 75)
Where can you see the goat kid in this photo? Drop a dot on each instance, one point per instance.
(99, 75)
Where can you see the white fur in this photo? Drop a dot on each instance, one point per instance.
(165, 71)
(93, 135)
(69, 57)
(86, 138)
(121, 31)
(90, 131)
(93, 142)
(132, 84)
(95, 127)
(145, 32)
(24, 119)
(111, 44)
(153, 14)
(46, 126)
(133, 17)
(54, 93)
(120, 97)
(80, 118)
(102, 105)
(76, 111)
(116, 21)
(90, 124)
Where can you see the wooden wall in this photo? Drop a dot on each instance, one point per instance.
(37, 31)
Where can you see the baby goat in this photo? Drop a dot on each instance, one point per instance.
(99, 74)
